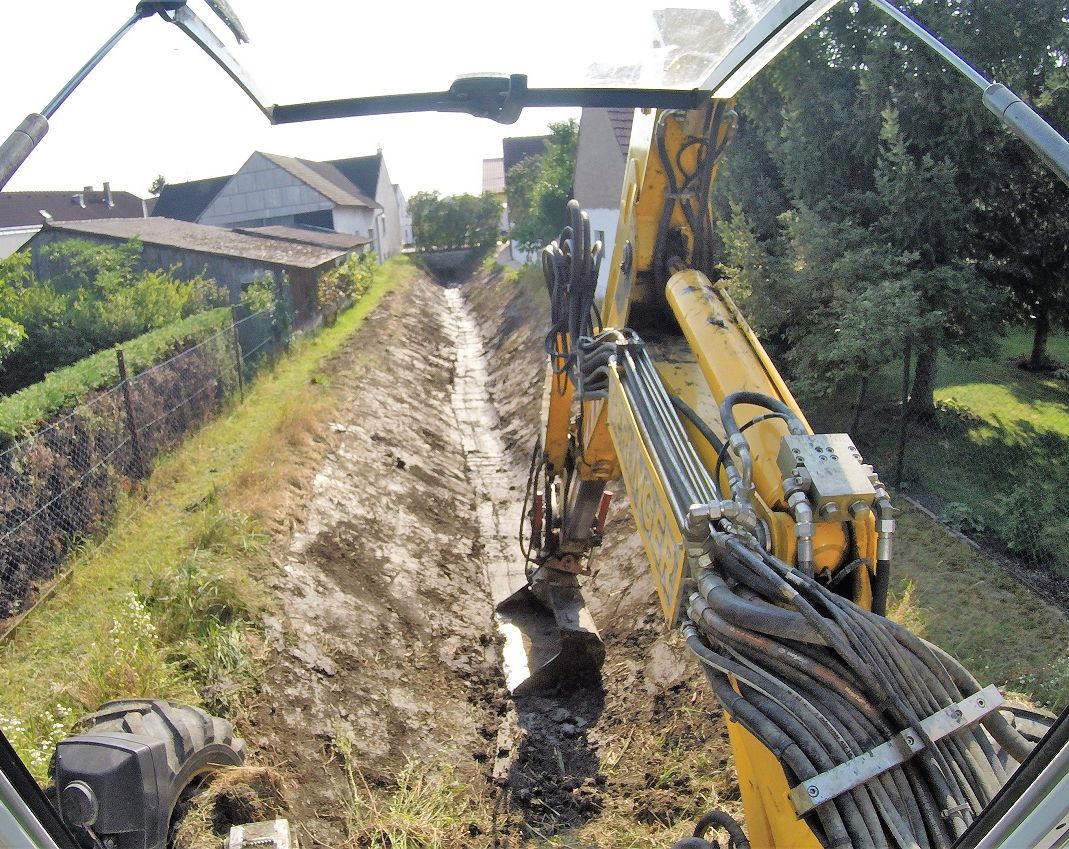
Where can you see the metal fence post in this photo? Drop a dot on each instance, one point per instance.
(237, 352)
(131, 421)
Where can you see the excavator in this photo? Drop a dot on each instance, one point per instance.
(770, 545)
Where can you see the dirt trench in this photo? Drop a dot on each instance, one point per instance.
(385, 651)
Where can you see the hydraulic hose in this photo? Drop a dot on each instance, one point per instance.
(811, 667)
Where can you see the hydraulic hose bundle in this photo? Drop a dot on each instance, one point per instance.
(885, 739)
(571, 264)
(820, 681)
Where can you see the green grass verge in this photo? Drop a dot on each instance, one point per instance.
(164, 604)
(21, 412)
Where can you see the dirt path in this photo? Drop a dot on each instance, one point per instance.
(403, 538)
(384, 641)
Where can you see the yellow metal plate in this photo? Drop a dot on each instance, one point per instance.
(652, 510)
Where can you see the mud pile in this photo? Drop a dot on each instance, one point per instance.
(385, 652)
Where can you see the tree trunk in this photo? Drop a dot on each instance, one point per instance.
(862, 391)
(1039, 360)
(922, 396)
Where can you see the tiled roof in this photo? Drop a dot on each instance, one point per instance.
(324, 178)
(519, 148)
(307, 236)
(621, 121)
(24, 208)
(361, 171)
(186, 201)
(202, 238)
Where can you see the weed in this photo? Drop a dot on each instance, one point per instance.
(426, 808)
(128, 661)
(962, 518)
(35, 739)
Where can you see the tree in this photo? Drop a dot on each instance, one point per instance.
(157, 185)
(860, 124)
(541, 186)
(456, 221)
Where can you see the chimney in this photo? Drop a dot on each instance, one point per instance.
(107, 196)
(87, 191)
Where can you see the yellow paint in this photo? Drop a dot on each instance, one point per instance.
(771, 822)
(559, 390)
(652, 510)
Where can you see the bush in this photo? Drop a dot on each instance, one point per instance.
(344, 284)
(456, 221)
(94, 299)
(22, 412)
(962, 518)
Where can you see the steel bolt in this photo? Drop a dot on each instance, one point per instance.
(981, 703)
(813, 791)
(910, 740)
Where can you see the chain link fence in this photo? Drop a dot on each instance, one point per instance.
(996, 477)
(62, 484)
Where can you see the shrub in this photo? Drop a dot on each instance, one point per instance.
(94, 299)
(962, 518)
(21, 412)
(344, 284)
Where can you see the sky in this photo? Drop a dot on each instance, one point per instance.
(158, 105)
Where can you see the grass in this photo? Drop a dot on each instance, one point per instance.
(22, 411)
(425, 807)
(164, 604)
(997, 457)
(962, 601)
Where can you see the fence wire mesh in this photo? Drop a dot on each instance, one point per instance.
(62, 484)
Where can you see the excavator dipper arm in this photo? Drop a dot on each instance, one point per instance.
(770, 545)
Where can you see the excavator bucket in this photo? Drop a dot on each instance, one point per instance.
(549, 647)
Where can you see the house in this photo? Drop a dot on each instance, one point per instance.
(604, 138)
(353, 196)
(232, 257)
(186, 201)
(22, 214)
(494, 183)
(515, 150)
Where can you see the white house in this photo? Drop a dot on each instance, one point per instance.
(604, 137)
(354, 196)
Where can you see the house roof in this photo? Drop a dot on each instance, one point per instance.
(494, 175)
(621, 120)
(325, 178)
(518, 148)
(361, 171)
(202, 238)
(186, 201)
(24, 208)
(307, 236)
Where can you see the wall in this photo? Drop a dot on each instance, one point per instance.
(604, 220)
(13, 238)
(358, 220)
(390, 226)
(261, 192)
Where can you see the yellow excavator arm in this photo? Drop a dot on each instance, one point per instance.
(770, 545)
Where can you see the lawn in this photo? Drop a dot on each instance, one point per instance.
(997, 460)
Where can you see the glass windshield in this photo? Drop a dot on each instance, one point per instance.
(326, 50)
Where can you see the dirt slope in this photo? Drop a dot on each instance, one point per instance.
(386, 643)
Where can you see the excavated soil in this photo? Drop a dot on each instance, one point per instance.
(384, 650)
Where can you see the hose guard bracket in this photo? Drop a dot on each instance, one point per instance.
(840, 779)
